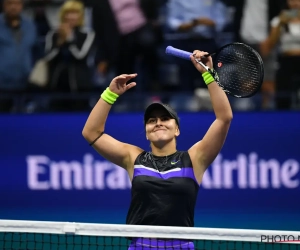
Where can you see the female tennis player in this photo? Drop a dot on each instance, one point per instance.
(165, 181)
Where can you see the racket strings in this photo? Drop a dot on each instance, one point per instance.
(240, 69)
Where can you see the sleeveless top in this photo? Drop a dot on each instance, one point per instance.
(164, 191)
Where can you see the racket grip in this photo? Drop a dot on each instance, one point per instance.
(178, 53)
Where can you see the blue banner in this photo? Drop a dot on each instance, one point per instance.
(49, 172)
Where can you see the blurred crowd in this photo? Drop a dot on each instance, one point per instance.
(60, 55)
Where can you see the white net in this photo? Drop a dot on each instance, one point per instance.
(36, 235)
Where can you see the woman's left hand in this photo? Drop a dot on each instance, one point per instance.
(200, 55)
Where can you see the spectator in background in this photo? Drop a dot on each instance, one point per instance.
(194, 24)
(127, 30)
(252, 24)
(67, 50)
(17, 41)
(285, 32)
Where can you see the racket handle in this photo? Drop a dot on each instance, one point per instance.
(178, 53)
(181, 53)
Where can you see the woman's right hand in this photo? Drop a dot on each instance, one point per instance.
(119, 84)
(61, 31)
(64, 31)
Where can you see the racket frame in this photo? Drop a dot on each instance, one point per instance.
(250, 49)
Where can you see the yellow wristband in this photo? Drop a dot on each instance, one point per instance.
(109, 96)
(208, 78)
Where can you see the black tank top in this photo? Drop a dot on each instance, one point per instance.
(164, 191)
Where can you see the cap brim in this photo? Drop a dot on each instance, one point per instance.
(155, 106)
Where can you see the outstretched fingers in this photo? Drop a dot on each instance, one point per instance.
(125, 77)
(130, 85)
(129, 76)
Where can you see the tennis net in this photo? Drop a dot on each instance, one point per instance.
(36, 235)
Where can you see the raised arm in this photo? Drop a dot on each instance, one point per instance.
(117, 152)
(205, 151)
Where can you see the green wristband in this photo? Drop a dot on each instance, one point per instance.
(208, 78)
(109, 97)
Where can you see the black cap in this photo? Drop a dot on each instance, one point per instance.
(158, 105)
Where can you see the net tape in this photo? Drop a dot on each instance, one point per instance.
(115, 230)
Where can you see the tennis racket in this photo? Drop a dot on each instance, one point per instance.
(237, 68)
